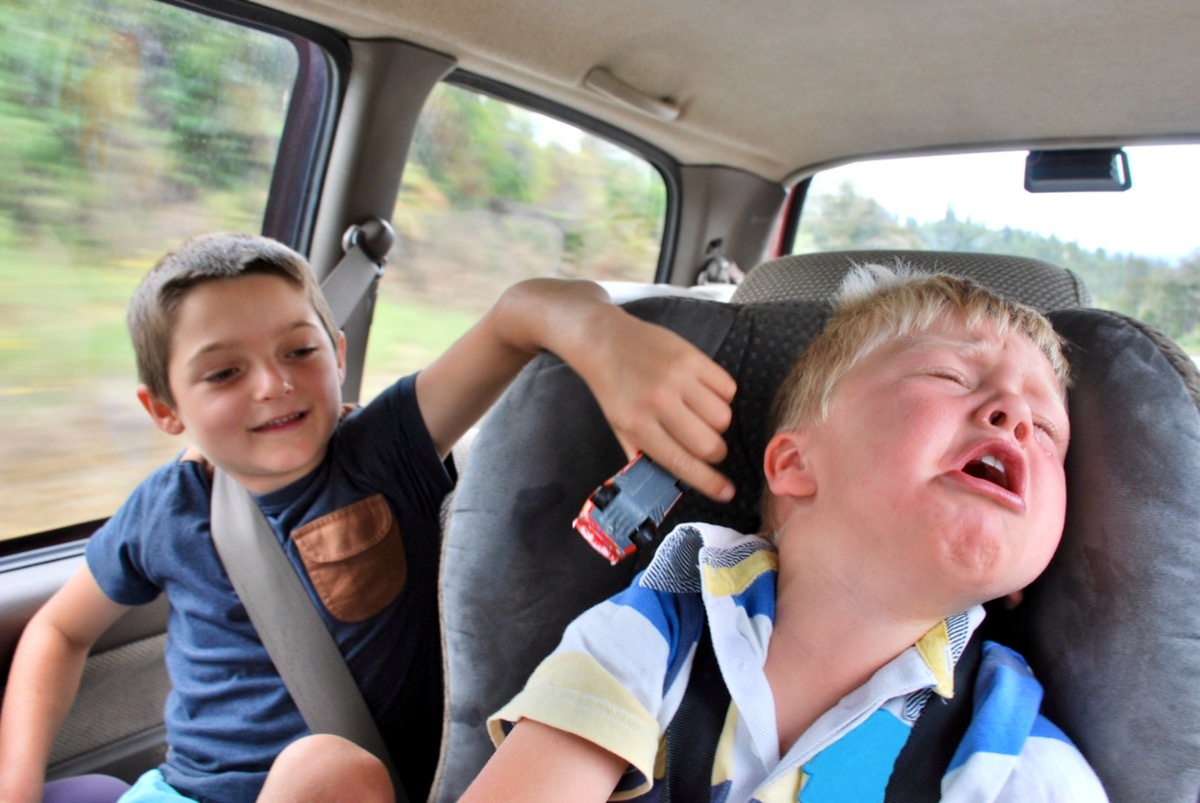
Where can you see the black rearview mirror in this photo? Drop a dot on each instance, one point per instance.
(1078, 170)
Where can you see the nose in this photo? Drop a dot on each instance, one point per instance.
(1010, 413)
(274, 381)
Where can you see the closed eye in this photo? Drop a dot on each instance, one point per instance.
(303, 352)
(1051, 433)
(217, 377)
(942, 372)
(1048, 428)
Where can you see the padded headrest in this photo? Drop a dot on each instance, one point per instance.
(1110, 627)
(1113, 631)
(816, 277)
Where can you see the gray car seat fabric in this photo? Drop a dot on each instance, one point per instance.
(514, 571)
(1110, 628)
(816, 277)
(1113, 627)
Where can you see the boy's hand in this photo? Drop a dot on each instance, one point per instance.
(662, 396)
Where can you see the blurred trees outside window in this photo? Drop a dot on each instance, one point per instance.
(494, 193)
(131, 125)
(1137, 251)
(128, 125)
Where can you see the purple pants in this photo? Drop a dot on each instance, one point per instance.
(84, 789)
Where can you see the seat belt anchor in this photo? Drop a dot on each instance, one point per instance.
(374, 236)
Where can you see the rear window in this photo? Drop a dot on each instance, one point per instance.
(1137, 251)
(128, 126)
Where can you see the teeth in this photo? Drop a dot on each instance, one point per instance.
(993, 462)
(988, 467)
(279, 421)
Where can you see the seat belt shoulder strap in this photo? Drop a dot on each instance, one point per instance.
(366, 246)
(916, 776)
(285, 617)
(287, 621)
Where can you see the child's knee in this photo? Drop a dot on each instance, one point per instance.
(323, 767)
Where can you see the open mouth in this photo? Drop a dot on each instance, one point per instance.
(997, 469)
(989, 468)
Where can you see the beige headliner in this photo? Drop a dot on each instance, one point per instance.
(777, 86)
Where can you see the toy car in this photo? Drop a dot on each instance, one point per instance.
(625, 512)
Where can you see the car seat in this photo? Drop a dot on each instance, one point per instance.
(1109, 628)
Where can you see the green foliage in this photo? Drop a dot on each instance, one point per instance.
(122, 103)
(471, 146)
(537, 191)
(846, 220)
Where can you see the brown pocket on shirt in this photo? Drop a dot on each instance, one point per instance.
(355, 558)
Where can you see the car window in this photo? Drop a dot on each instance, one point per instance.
(128, 126)
(494, 193)
(1137, 251)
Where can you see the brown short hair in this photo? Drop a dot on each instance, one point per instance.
(209, 257)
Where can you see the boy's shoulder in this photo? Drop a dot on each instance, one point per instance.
(154, 529)
(181, 486)
(395, 404)
(190, 459)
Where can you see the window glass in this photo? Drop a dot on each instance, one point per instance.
(128, 126)
(494, 193)
(1137, 251)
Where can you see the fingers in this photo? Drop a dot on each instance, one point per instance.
(667, 398)
(705, 479)
(693, 471)
(682, 432)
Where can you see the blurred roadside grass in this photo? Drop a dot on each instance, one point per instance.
(61, 324)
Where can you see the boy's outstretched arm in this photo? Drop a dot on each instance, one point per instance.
(44, 678)
(537, 763)
(660, 394)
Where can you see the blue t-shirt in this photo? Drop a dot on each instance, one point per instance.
(362, 530)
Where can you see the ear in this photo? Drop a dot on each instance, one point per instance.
(161, 413)
(788, 471)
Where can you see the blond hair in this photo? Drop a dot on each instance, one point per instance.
(877, 304)
(210, 257)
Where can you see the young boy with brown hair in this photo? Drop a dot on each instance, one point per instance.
(915, 471)
(236, 348)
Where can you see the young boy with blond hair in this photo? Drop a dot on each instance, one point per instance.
(915, 471)
(237, 349)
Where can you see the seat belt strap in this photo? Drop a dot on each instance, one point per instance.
(917, 774)
(696, 728)
(366, 246)
(300, 645)
(916, 777)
